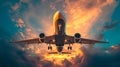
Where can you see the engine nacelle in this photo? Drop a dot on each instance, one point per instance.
(77, 37)
(42, 37)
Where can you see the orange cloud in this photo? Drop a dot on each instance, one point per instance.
(16, 6)
(30, 34)
(82, 15)
(21, 35)
(20, 23)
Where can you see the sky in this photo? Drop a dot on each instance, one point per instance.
(26, 19)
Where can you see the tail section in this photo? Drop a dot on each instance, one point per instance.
(59, 53)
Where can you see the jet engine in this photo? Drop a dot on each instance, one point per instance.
(42, 37)
(77, 37)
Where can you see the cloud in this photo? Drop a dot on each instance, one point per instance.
(66, 63)
(84, 14)
(46, 64)
(100, 36)
(25, 1)
(30, 34)
(15, 7)
(22, 35)
(20, 23)
(111, 25)
(52, 6)
(10, 55)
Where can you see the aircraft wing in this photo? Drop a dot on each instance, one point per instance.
(28, 41)
(72, 39)
(89, 41)
(47, 39)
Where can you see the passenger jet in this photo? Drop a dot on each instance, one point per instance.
(60, 38)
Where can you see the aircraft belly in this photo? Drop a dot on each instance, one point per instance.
(59, 40)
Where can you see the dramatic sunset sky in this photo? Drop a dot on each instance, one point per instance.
(93, 19)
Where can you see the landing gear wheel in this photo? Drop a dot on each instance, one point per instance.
(49, 47)
(69, 48)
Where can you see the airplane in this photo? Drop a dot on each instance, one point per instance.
(60, 38)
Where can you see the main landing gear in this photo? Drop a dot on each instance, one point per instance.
(69, 47)
(49, 47)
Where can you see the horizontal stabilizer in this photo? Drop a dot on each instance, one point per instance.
(59, 53)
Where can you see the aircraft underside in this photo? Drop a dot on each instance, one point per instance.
(59, 38)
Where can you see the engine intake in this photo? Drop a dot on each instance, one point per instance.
(42, 35)
(77, 35)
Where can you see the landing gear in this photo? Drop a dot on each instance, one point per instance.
(49, 47)
(69, 47)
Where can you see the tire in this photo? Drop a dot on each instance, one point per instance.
(70, 48)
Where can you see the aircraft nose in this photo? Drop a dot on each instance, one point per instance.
(58, 15)
(58, 12)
